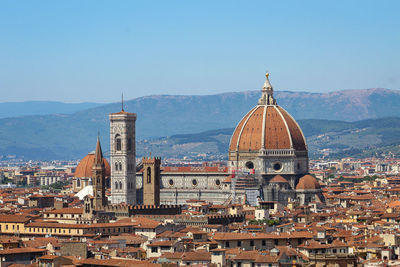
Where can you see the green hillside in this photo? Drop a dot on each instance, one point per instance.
(333, 139)
(72, 136)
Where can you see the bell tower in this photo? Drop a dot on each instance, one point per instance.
(123, 157)
(151, 181)
(98, 178)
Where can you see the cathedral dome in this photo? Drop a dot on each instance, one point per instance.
(84, 168)
(278, 179)
(308, 182)
(267, 126)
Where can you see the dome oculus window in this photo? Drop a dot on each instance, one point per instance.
(217, 182)
(277, 166)
(249, 165)
(194, 182)
(171, 182)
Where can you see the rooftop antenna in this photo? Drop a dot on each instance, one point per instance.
(122, 102)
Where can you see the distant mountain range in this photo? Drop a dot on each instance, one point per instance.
(71, 136)
(17, 109)
(324, 138)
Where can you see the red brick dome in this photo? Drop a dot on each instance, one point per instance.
(278, 179)
(267, 127)
(308, 182)
(84, 168)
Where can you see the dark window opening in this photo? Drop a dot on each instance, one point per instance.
(118, 143)
(277, 166)
(148, 175)
(249, 165)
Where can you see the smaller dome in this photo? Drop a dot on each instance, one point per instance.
(393, 204)
(308, 182)
(278, 179)
(84, 168)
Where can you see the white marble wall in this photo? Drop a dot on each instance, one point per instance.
(187, 181)
(124, 126)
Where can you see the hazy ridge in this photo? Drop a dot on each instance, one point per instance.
(66, 136)
(26, 108)
(337, 139)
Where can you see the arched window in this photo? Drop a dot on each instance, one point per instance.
(129, 144)
(120, 166)
(78, 182)
(120, 185)
(118, 144)
(116, 185)
(116, 166)
(148, 175)
(87, 210)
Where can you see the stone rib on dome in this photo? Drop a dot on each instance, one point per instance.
(276, 132)
(238, 130)
(299, 142)
(279, 131)
(85, 166)
(252, 131)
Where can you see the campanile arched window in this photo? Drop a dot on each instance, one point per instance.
(148, 175)
(118, 143)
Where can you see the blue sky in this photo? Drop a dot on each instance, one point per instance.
(76, 51)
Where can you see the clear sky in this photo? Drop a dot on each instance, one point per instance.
(75, 51)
